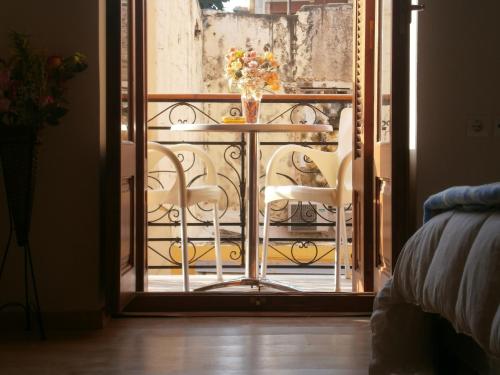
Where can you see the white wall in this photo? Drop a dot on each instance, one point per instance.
(65, 226)
(459, 65)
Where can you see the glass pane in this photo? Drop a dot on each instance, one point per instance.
(385, 72)
(126, 128)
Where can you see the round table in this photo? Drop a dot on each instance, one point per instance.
(251, 264)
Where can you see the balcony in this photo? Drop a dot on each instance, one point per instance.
(303, 233)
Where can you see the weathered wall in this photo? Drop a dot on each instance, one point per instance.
(174, 45)
(314, 47)
(458, 60)
(66, 213)
(221, 31)
(174, 48)
(324, 46)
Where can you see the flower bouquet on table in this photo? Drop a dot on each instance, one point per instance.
(252, 74)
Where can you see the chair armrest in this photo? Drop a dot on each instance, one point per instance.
(344, 180)
(326, 161)
(211, 177)
(180, 182)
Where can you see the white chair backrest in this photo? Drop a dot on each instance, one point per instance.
(175, 193)
(345, 133)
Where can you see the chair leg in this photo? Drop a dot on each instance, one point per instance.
(218, 255)
(184, 248)
(337, 250)
(265, 241)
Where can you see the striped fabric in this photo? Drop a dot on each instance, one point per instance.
(473, 198)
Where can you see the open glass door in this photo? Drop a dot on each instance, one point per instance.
(363, 103)
(174, 108)
(128, 177)
(391, 138)
(125, 150)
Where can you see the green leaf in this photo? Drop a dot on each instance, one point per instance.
(212, 4)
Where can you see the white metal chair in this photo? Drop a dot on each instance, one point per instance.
(335, 168)
(184, 196)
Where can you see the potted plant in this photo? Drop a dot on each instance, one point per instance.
(32, 96)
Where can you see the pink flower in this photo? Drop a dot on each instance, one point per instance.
(4, 104)
(46, 100)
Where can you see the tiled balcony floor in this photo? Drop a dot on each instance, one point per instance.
(303, 282)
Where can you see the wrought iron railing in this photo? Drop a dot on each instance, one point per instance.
(293, 241)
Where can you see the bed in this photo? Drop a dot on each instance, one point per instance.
(442, 305)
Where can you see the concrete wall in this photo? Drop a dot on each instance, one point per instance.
(314, 47)
(324, 46)
(458, 76)
(65, 227)
(174, 46)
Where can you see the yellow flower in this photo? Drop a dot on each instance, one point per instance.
(236, 65)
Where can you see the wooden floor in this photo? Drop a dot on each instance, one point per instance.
(182, 346)
(304, 283)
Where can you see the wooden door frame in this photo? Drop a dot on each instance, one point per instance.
(110, 176)
(401, 206)
(196, 302)
(111, 151)
(363, 120)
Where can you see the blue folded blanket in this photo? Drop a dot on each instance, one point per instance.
(474, 198)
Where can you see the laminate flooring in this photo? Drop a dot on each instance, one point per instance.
(178, 346)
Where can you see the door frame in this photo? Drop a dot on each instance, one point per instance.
(213, 302)
(401, 205)
(110, 175)
(111, 152)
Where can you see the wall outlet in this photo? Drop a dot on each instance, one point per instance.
(496, 126)
(478, 126)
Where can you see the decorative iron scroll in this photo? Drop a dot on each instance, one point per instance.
(294, 248)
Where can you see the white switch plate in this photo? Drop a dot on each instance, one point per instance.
(478, 126)
(496, 126)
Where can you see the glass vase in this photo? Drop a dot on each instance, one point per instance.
(250, 105)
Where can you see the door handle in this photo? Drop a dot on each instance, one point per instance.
(417, 7)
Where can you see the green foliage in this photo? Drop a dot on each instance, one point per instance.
(33, 86)
(212, 4)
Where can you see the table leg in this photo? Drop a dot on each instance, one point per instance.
(253, 207)
(252, 245)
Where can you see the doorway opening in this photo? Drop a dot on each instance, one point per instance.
(186, 48)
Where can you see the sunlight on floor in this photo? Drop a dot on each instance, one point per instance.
(304, 283)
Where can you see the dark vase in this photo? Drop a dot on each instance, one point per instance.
(18, 158)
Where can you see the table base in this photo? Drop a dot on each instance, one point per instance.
(259, 283)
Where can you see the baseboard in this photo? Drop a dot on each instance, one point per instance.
(57, 320)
